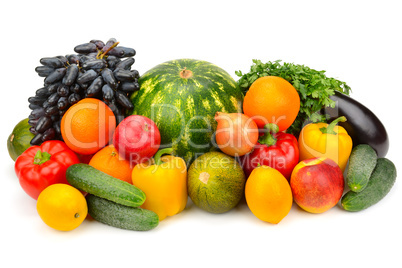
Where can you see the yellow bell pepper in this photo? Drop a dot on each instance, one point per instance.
(326, 140)
(164, 183)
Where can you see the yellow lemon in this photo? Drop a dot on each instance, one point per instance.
(268, 194)
(62, 207)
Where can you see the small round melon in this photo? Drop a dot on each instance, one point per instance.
(19, 140)
(216, 182)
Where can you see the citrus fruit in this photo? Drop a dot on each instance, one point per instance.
(272, 99)
(88, 126)
(62, 207)
(268, 194)
(108, 161)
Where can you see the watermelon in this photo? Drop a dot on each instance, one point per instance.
(19, 139)
(181, 97)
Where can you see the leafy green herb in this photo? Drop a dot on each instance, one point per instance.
(314, 88)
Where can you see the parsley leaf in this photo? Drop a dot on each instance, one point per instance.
(313, 86)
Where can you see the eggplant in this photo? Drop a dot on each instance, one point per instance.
(362, 125)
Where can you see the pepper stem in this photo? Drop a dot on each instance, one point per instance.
(330, 128)
(268, 138)
(157, 156)
(41, 157)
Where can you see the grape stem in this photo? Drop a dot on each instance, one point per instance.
(99, 54)
(105, 53)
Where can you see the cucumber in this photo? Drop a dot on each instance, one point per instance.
(93, 181)
(120, 216)
(381, 181)
(362, 162)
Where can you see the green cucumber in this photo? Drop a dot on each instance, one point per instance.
(381, 181)
(93, 181)
(120, 216)
(362, 162)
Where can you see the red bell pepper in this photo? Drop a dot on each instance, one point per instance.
(40, 166)
(278, 150)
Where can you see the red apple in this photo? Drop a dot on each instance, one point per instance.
(137, 138)
(317, 184)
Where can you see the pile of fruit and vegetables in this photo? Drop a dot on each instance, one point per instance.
(130, 150)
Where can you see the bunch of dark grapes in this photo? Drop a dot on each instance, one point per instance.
(98, 70)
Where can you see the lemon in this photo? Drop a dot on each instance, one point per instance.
(62, 207)
(268, 194)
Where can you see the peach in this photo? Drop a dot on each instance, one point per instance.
(317, 184)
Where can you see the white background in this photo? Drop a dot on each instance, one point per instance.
(354, 41)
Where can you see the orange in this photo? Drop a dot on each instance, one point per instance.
(268, 194)
(62, 207)
(108, 160)
(272, 99)
(88, 126)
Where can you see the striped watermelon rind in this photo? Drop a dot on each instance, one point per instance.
(181, 97)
